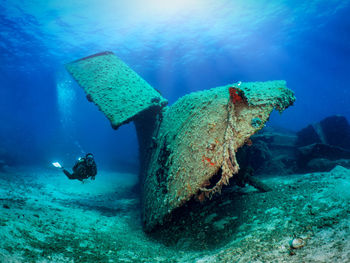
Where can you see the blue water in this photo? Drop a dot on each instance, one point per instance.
(178, 48)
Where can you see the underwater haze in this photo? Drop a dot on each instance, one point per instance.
(178, 47)
(248, 162)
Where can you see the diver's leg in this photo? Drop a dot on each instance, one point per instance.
(69, 175)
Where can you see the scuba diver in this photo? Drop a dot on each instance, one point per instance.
(84, 168)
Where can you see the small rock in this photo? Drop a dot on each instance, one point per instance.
(296, 243)
(5, 206)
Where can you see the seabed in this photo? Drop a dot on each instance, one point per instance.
(47, 218)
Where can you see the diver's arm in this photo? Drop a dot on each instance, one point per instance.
(68, 174)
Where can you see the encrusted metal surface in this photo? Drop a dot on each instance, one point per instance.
(199, 137)
(118, 91)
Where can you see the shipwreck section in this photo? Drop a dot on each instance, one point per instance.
(121, 94)
(118, 91)
(196, 144)
(188, 150)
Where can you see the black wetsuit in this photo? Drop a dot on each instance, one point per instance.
(82, 170)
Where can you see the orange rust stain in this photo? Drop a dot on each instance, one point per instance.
(249, 142)
(201, 197)
(208, 160)
(189, 188)
(211, 125)
(235, 95)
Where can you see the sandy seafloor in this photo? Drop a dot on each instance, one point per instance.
(47, 218)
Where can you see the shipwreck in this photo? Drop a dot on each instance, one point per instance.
(187, 150)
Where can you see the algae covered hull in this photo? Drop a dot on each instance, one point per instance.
(184, 146)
